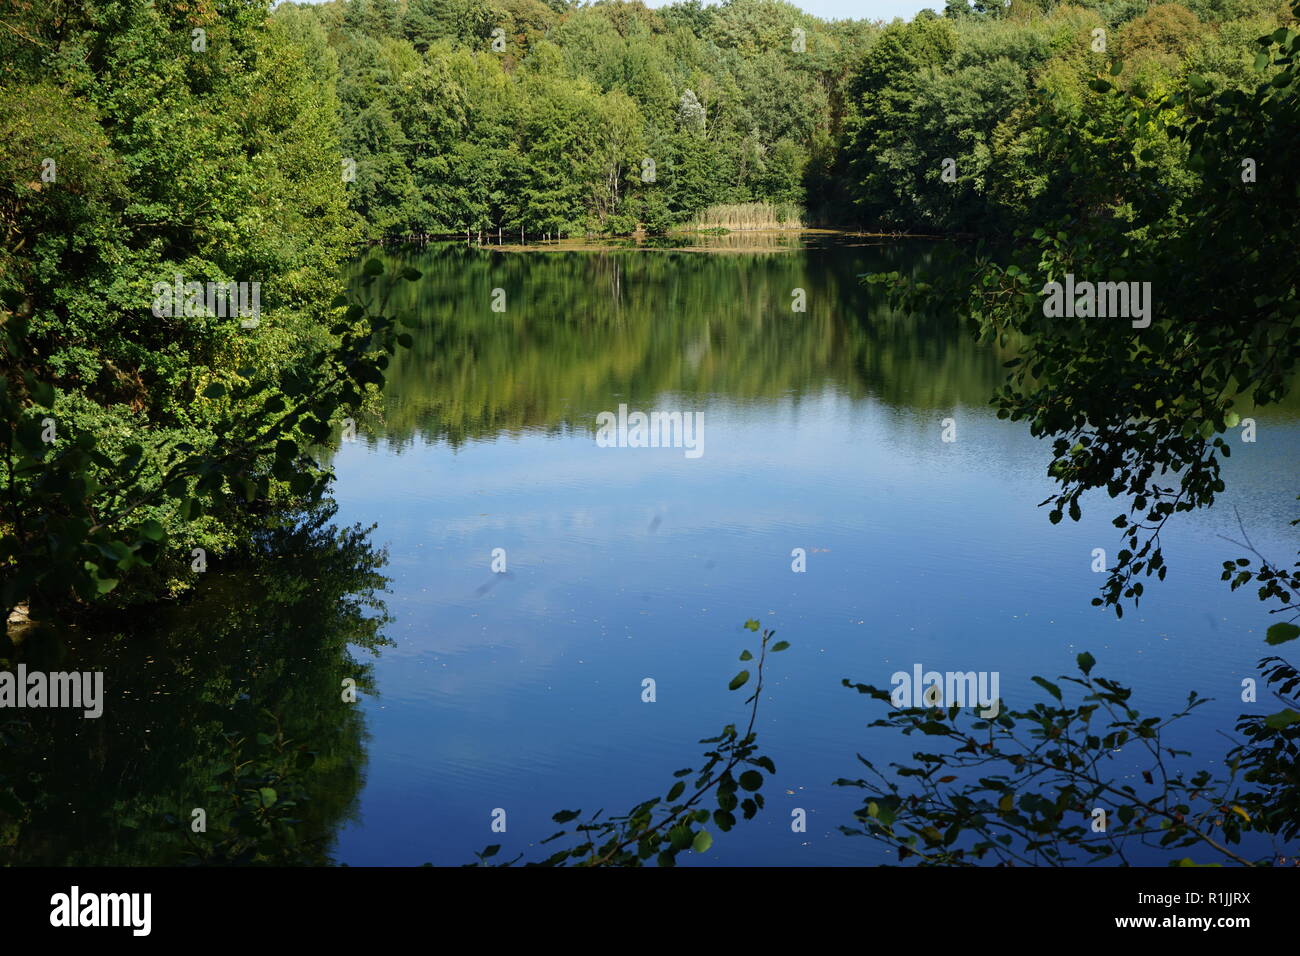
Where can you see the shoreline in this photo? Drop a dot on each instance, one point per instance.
(698, 240)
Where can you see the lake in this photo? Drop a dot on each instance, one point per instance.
(521, 688)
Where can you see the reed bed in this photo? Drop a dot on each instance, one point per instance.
(748, 215)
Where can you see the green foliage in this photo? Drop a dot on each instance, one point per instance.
(132, 435)
(1035, 787)
(545, 130)
(80, 512)
(982, 91)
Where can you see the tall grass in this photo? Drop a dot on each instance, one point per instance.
(748, 215)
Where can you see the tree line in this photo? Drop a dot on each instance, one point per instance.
(524, 118)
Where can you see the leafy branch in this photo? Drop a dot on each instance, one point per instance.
(663, 827)
(1028, 787)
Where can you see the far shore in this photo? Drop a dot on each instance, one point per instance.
(775, 239)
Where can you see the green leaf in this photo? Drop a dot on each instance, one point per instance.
(113, 550)
(703, 840)
(1283, 718)
(738, 681)
(676, 791)
(104, 584)
(1282, 632)
(1086, 661)
(215, 390)
(751, 779)
(746, 656)
(679, 837)
(1048, 686)
(373, 268)
(268, 796)
(780, 646)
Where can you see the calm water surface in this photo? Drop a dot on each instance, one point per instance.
(523, 690)
(822, 431)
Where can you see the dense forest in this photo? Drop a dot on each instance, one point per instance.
(565, 119)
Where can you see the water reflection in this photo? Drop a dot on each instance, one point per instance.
(580, 329)
(211, 704)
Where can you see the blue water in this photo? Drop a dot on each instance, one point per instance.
(523, 691)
